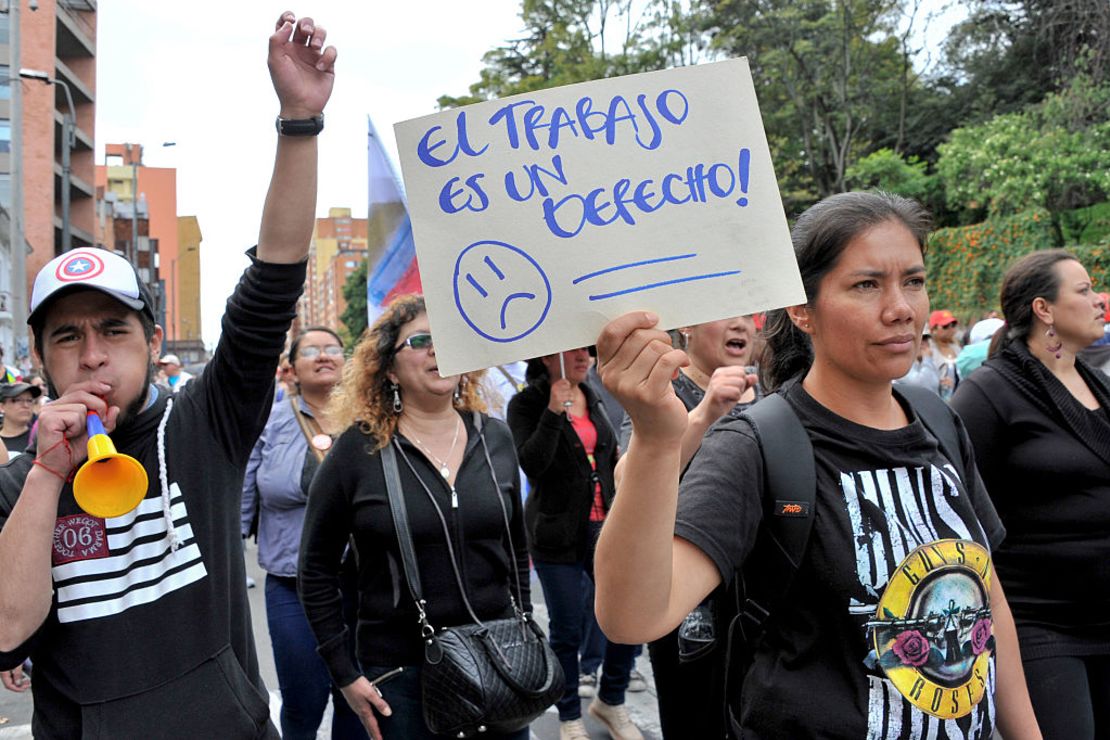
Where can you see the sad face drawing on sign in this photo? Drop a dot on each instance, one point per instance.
(500, 290)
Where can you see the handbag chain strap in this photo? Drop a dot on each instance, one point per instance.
(404, 533)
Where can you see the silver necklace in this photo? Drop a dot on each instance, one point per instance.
(444, 470)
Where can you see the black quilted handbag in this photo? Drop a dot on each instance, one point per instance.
(494, 676)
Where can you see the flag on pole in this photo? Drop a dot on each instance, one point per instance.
(392, 269)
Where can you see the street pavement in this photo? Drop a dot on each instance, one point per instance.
(15, 709)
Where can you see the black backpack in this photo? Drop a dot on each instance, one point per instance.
(789, 499)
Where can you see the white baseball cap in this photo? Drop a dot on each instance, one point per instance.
(984, 330)
(97, 269)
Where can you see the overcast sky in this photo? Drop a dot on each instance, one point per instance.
(195, 74)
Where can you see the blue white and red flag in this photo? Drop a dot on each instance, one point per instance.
(395, 272)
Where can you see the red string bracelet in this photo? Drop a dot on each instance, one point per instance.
(50, 470)
(63, 478)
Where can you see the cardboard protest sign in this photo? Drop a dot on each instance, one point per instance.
(540, 217)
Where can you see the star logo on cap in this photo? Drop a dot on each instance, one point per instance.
(80, 266)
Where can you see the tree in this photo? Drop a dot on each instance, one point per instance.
(354, 315)
(885, 170)
(1010, 54)
(822, 69)
(568, 41)
(1055, 155)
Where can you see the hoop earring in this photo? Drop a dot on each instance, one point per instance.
(397, 405)
(1053, 345)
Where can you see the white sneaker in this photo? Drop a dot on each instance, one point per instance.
(615, 719)
(573, 729)
(587, 685)
(636, 682)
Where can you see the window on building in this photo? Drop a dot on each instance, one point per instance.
(5, 136)
(5, 27)
(5, 71)
(5, 190)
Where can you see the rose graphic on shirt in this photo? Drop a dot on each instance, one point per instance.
(911, 647)
(980, 636)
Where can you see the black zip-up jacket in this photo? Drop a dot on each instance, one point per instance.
(557, 513)
(348, 496)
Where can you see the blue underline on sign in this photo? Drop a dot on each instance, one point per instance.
(589, 275)
(637, 289)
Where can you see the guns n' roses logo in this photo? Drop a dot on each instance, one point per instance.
(932, 631)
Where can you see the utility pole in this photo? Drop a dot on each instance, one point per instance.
(133, 258)
(18, 245)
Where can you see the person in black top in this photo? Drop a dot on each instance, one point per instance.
(893, 621)
(138, 625)
(392, 393)
(17, 402)
(567, 446)
(1039, 418)
(689, 673)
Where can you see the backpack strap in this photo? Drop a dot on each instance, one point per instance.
(789, 503)
(936, 416)
(789, 499)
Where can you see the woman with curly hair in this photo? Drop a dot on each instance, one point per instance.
(455, 464)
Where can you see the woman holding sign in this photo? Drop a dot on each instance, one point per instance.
(893, 623)
(568, 447)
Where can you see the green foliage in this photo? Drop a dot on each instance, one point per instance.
(965, 264)
(886, 170)
(568, 41)
(1009, 54)
(1055, 155)
(1021, 98)
(1090, 225)
(1096, 258)
(354, 315)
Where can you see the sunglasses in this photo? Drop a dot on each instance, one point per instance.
(417, 342)
(312, 352)
(949, 325)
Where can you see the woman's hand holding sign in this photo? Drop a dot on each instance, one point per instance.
(637, 363)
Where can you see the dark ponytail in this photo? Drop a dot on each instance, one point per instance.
(819, 237)
(1031, 277)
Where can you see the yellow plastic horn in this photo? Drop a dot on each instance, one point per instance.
(109, 483)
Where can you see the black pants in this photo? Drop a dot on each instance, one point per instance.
(1071, 696)
(691, 695)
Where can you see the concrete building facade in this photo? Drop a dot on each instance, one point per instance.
(57, 39)
(137, 217)
(339, 246)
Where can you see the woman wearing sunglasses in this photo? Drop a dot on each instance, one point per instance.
(454, 464)
(275, 491)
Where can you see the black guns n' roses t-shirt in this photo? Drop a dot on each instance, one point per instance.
(886, 632)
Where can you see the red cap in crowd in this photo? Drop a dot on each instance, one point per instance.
(943, 317)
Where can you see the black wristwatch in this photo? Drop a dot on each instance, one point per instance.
(300, 126)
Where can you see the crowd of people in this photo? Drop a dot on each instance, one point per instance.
(946, 576)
